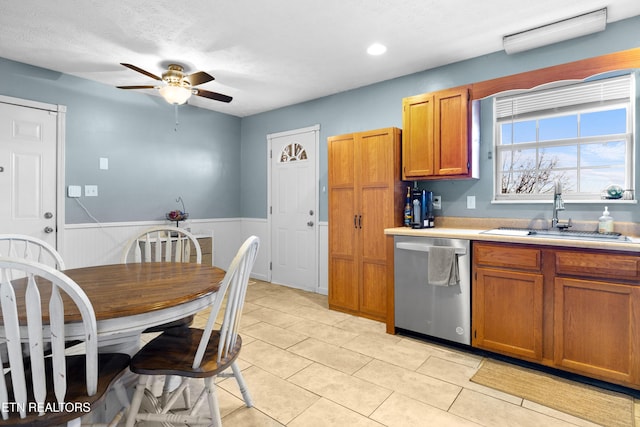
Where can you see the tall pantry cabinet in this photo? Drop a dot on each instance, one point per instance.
(365, 197)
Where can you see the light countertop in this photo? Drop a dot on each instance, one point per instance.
(631, 245)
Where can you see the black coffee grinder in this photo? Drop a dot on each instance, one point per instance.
(422, 209)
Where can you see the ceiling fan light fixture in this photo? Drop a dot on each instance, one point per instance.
(177, 95)
(177, 87)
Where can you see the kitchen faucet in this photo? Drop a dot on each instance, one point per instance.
(558, 205)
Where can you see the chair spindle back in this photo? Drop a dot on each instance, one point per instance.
(235, 283)
(162, 244)
(32, 248)
(38, 278)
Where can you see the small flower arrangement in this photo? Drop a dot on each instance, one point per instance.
(177, 215)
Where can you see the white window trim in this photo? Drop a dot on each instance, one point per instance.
(499, 198)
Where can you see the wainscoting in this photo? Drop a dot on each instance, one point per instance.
(99, 244)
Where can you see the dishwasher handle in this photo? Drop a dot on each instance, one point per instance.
(423, 247)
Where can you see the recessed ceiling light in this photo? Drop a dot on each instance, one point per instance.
(376, 49)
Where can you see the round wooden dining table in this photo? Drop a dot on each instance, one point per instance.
(129, 298)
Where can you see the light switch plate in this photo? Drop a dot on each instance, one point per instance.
(104, 163)
(471, 202)
(91, 190)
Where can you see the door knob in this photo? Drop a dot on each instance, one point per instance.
(48, 230)
(310, 223)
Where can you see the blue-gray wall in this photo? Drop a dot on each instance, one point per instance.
(380, 105)
(218, 163)
(151, 160)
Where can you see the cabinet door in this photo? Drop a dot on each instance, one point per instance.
(417, 136)
(375, 163)
(507, 312)
(343, 266)
(451, 149)
(596, 329)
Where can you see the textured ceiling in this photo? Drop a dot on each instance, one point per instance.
(269, 54)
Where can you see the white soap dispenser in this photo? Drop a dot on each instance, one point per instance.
(605, 223)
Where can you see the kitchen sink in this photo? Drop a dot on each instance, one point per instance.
(558, 234)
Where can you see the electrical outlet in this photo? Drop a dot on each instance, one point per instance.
(437, 202)
(90, 190)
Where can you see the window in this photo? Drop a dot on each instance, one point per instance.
(293, 152)
(580, 135)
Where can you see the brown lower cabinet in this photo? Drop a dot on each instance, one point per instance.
(499, 294)
(576, 310)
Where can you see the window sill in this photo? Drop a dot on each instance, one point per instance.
(567, 202)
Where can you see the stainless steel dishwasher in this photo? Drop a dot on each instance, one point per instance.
(438, 311)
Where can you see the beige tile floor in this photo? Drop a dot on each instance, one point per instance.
(308, 366)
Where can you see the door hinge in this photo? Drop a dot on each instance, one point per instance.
(475, 333)
(270, 154)
(270, 209)
(270, 266)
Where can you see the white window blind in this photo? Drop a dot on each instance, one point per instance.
(600, 91)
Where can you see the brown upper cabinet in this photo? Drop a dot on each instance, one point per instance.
(436, 137)
(440, 138)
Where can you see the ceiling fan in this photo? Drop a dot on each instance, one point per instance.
(178, 86)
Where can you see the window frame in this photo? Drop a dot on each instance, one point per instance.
(579, 109)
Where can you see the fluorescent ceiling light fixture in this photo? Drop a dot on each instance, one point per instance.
(175, 94)
(376, 49)
(566, 29)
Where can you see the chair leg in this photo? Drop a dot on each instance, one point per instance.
(186, 395)
(214, 407)
(136, 400)
(171, 383)
(243, 386)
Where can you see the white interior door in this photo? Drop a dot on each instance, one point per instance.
(28, 170)
(294, 204)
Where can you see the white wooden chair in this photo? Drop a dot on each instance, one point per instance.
(31, 248)
(34, 385)
(27, 247)
(162, 244)
(197, 353)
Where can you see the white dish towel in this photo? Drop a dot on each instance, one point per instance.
(442, 266)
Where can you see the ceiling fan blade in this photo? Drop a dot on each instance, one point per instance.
(140, 70)
(198, 78)
(136, 87)
(212, 95)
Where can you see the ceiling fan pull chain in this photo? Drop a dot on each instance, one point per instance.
(175, 129)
